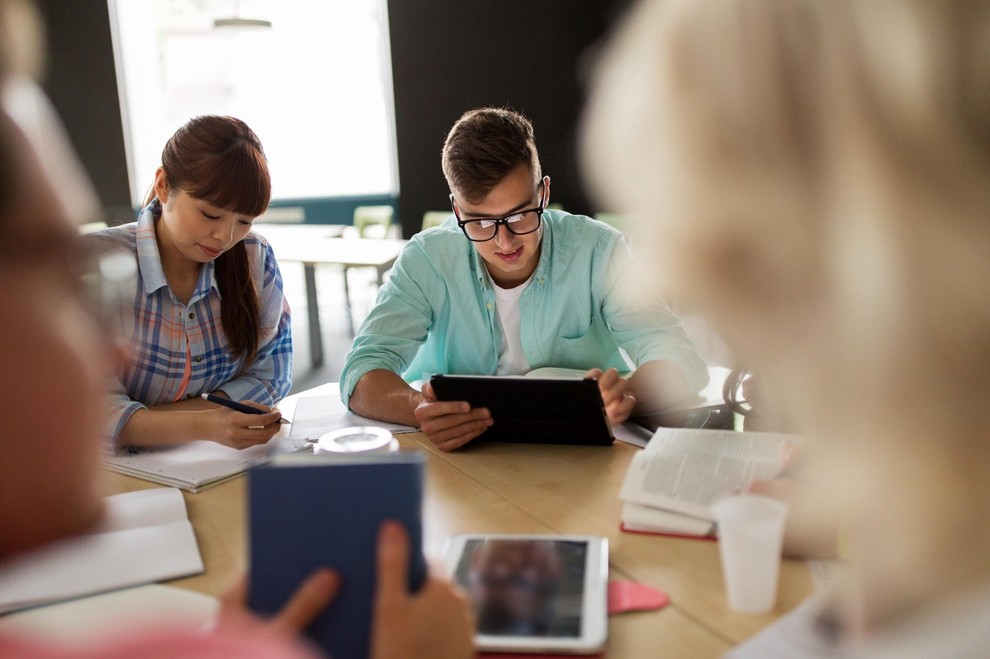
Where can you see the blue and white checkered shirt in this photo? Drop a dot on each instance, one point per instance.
(165, 331)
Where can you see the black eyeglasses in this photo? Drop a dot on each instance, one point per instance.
(485, 229)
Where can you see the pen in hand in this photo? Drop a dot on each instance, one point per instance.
(234, 405)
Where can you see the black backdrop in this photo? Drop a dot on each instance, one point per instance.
(447, 56)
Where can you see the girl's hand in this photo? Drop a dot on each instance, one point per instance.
(239, 430)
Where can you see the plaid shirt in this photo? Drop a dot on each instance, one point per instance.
(165, 330)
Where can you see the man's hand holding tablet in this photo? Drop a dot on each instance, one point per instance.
(531, 409)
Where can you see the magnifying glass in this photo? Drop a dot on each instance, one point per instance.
(357, 439)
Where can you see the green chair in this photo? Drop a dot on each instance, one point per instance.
(434, 219)
(373, 221)
(370, 222)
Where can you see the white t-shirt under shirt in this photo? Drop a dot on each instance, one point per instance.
(511, 360)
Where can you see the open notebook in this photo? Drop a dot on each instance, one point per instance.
(317, 415)
(193, 466)
(145, 536)
(201, 464)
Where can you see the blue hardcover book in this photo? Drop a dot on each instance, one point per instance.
(309, 511)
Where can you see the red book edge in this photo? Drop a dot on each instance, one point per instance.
(669, 534)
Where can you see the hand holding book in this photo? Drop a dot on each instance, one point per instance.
(314, 511)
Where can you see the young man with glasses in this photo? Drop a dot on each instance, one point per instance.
(506, 286)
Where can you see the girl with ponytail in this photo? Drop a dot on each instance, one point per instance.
(209, 312)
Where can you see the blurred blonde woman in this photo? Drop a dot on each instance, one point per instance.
(815, 175)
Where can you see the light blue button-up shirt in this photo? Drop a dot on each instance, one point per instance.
(436, 313)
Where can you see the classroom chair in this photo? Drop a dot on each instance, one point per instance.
(370, 222)
(434, 219)
(373, 221)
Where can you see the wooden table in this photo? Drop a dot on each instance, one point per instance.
(314, 245)
(535, 489)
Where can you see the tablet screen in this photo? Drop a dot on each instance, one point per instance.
(533, 592)
(532, 410)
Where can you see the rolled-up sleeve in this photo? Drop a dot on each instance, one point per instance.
(122, 409)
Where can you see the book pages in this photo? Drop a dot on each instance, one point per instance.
(133, 548)
(684, 471)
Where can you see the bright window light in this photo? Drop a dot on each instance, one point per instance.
(316, 86)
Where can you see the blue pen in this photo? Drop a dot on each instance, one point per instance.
(234, 405)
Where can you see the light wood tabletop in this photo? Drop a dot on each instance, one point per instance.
(494, 487)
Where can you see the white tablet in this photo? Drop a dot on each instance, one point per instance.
(534, 593)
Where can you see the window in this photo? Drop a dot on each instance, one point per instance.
(314, 82)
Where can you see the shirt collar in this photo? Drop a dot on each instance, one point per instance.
(542, 267)
(150, 259)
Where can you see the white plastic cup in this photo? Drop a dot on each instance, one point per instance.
(750, 538)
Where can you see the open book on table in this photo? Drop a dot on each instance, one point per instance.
(145, 536)
(559, 373)
(671, 483)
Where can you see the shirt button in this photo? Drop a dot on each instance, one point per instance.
(192, 316)
(198, 358)
(489, 306)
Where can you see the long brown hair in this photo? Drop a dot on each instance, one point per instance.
(220, 160)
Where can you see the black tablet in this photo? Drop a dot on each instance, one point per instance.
(532, 410)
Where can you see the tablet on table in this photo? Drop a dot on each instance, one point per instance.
(534, 593)
(532, 410)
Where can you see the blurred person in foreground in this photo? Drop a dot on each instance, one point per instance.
(815, 175)
(55, 356)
